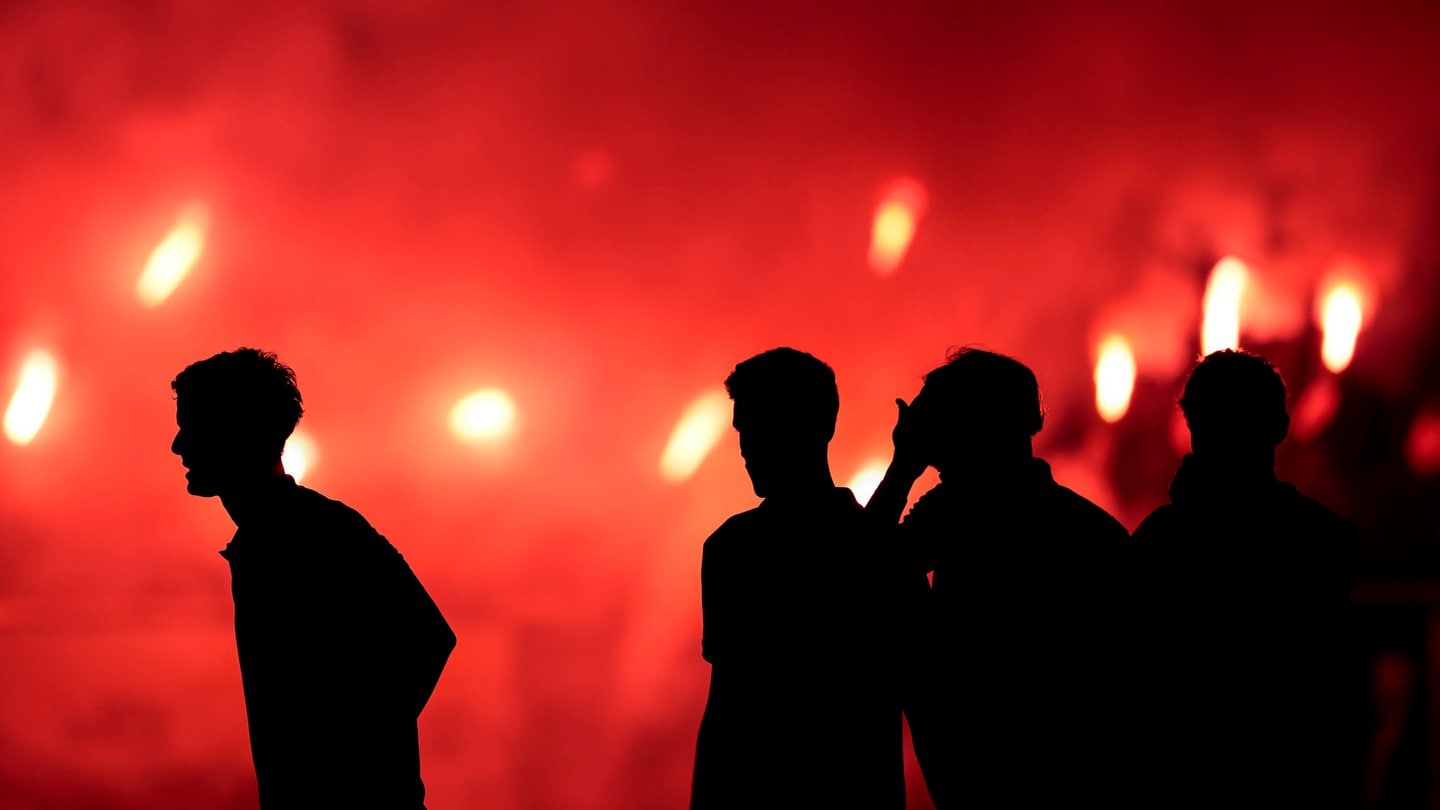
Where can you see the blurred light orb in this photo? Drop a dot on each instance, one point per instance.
(173, 258)
(299, 455)
(1220, 327)
(484, 415)
(1340, 320)
(896, 218)
(1315, 409)
(35, 392)
(1114, 378)
(697, 432)
(1422, 444)
(864, 482)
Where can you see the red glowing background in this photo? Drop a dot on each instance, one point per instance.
(598, 210)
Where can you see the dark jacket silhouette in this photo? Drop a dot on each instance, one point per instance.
(802, 623)
(1249, 584)
(1012, 697)
(1246, 585)
(340, 648)
(1021, 692)
(801, 632)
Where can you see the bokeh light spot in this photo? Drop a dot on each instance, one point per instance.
(896, 218)
(485, 415)
(695, 435)
(1340, 320)
(1422, 444)
(300, 455)
(1220, 328)
(34, 394)
(173, 258)
(1114, 378)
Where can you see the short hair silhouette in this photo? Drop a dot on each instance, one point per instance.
(247, 387)
(1237, 398)
(988, 389)
(788, 388)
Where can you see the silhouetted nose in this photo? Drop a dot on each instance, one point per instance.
(175, 445)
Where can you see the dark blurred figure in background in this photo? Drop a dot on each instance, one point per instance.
(340, 646)
(1247, 592)
(1016, 709)
(800, 616)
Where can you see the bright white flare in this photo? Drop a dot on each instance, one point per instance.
(1340, 320)
(33, 396)
(1114, 378)
(896, 218)
(299, 455)
(864, 482)
(174, 256)
(695, 435)
(484, 415)
(1220, 328)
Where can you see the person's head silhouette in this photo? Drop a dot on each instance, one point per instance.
(978, 411)
(234, 410)
(786, 403)
(1234, 405)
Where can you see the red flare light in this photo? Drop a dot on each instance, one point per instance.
(1114, 378)
(1221, 326)
(33, 396)
(896, 218)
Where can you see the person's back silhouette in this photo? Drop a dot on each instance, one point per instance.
(1018, 687)
(1248, 585)
(800, 621)
(340, 646)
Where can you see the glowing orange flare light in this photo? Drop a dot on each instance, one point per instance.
(896, 218)
(695, 435)
(173, 257)
(1340, 319)
(1114, 378)
(864, 483)
(33, 396)
(1221, 326)
(299, 456)
(484, 415)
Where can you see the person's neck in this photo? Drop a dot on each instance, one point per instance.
(1245, 469)
(808, 482)
(250, 499)
(987, 472)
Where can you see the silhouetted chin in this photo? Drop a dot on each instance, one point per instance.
(199, 486)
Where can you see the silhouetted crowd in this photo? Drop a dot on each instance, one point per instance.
(1042, 655)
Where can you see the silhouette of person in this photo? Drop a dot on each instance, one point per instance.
(1016, 687)
(800, 619)
(1249, 583)
(340, 646)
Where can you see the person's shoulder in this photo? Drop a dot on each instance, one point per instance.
(1318, 518)
(1158, 523)
(339, 521)
(1090, 515)
(736, 529)
(322, 507)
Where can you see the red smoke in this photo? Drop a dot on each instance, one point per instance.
(600, 210)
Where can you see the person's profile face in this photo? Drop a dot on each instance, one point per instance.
(767, 450)
(212, 449)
